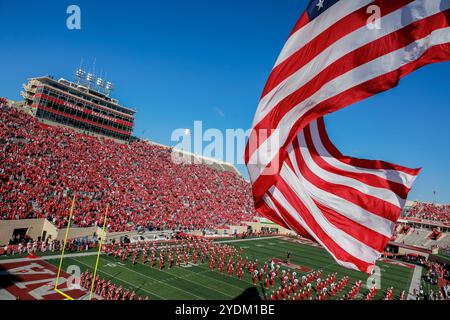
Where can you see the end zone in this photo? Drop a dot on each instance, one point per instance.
(35, 280)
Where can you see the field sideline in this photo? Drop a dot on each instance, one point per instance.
(200, 283)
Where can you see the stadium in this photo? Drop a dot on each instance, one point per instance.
(164, 238)
(90, 209)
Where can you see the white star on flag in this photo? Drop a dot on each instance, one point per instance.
(320, 4)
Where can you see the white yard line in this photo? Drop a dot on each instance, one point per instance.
(243, 280)
(193, 273)
(52, 257)
(93, 253)
(196, 283)
(219, 280)
(173, 277)
(122, 280)
(159, 281)
(415, 282)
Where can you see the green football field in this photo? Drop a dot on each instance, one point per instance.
(198, 282)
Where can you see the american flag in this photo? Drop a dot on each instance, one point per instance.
(340, 52)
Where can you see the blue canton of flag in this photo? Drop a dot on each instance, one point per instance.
(317, 7)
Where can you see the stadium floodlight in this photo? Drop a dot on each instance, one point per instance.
(100, 84)
(109, 87)
(79, 75)
(90, 79)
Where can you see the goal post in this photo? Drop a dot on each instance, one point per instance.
(66, 238)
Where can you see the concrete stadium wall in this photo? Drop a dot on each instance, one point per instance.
(405, 251)
(37, 228)
(77, 233)
(117, 235)
(52, 230)
(34, 226)
(255, 227)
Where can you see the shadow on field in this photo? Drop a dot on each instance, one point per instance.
(249, 294)
(7, 279)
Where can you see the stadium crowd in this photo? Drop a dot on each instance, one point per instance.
(42, 167)
(436, 272)
(429, 211)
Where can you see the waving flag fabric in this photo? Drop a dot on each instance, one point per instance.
(338, 54)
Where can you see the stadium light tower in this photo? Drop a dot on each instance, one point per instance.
(100, 84)
(90, 79)
(80, 74)
(109, 88)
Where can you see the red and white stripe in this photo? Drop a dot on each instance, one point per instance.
(348, 205)
(299, 178)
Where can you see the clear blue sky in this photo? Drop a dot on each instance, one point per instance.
(181, 61)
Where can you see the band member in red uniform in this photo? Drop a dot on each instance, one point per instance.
(241, 273)
(279, 294)
(211, 262)
(185, 258)
(161, 262)
(134, 258)
(255, 264)
(178, 261)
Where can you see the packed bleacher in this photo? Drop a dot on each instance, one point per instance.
(42, 167)
(429, 211)
(420, 237)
